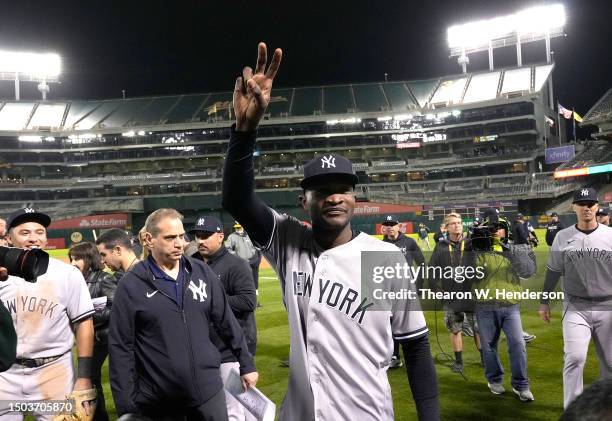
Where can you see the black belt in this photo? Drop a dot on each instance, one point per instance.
(36, 362)
(590, 299)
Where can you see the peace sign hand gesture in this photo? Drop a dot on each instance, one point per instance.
(252, 90)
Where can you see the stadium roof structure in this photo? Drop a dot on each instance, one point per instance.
(601, 111)
(316, 103)
(600, 115)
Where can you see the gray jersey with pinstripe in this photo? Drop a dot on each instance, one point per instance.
(585, 261)
(339, 349)
(44, 311)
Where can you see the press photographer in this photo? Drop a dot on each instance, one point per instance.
(505, 264)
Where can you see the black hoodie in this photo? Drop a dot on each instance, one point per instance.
(160, 351)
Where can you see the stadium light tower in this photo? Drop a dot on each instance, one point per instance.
(30, 67)
(529, 25)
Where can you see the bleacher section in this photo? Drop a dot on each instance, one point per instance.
(466, 137)
(594, 152)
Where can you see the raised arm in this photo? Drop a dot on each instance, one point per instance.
(251, 98)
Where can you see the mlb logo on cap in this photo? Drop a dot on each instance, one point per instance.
(585, 195)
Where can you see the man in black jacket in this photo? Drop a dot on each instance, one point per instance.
(454, 252)
(520, 231)
(413, 254)
(162, 362)
(237, 280)
(553, 227)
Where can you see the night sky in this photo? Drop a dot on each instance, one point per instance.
(174, 47)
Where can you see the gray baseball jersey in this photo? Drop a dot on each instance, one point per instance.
(43, 311)
(585, 261)
(340, 351)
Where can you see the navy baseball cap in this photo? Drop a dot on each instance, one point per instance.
(585, 195)
(602, 212)
(554, 214)
(519, 216)
(23, 215)
(390, 220)
(325, 167)
(206, 223)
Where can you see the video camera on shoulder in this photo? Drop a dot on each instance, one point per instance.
(485, 234)
(28, 264)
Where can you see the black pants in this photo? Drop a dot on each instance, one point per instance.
(99, 355)
(214, 409)
(255, 270)
(396, 349)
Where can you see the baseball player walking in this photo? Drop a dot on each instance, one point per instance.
(339, 351)
(44, 314)
(582, 254)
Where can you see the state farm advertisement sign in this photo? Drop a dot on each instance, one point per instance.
(372, 208)
(111, 220)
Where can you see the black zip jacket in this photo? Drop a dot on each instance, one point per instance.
(551, 231)
(161, 352)
(237, 280)
(102, 284)
(442, 257)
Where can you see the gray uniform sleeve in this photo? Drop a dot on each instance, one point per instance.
(555, 256)
(523, 260)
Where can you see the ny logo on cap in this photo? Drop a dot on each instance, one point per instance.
(328, 161)
(29, 210)
(200, 222)
(584, 192)
(389, 218)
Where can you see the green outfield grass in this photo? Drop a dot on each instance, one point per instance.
(460, 399)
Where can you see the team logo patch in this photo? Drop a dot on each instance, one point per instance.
(200, 222)
(328, 162)
(584, 192)
(29, 210)
(198, 291)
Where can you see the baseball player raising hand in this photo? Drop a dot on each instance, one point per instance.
(340, 351)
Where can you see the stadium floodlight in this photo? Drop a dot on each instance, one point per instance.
(529, 25)
(30, 139)
(30, 67)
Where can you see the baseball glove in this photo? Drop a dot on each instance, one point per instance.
(79, 412)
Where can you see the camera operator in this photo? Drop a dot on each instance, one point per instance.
(504, 265)
(44, 314)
